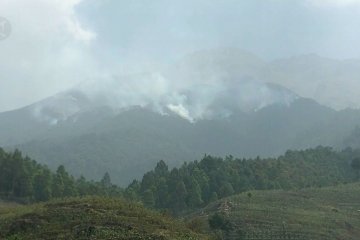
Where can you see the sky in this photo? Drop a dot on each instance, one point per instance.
(56, 44)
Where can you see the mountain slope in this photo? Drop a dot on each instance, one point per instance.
(327, 213)
(216, 102)
(130, 143)
(89, 218)
(65, 114)
(126, 146)
(330, 82)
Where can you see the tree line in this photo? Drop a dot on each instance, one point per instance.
(198, 183)
(188, 187)
(23, 179)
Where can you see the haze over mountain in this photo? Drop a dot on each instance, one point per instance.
(212, 102)
(330, 82)
(89, 39)
(224, 114)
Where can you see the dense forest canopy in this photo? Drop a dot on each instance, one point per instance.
(189, 187)
(197, 183)
(23, 179)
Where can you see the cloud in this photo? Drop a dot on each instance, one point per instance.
(48, 50)
(56, 44)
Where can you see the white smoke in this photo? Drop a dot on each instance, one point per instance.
(192, 100)
(199, 89)
(181, 111)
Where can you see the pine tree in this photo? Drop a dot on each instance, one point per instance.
(42, 189)
(58, 187)
(194, 195)
(355, 164)
(23, 185)
(82, 186)
(179, 197)
(106, 181)
(161, 169)
(148, 198)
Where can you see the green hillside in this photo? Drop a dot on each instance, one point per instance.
(316, 213)
(88, 218)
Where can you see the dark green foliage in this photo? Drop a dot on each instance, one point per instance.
(161, 169)
(194, 198)
(198, 183)
(355, 164)
(22, 179)
(106, 181)
(353, 140)
(148, 198)
(42, 183)
(132, 190)
(219, 222)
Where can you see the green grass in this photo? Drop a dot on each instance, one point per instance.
(312, 214)
(89, 218)
(331, 213)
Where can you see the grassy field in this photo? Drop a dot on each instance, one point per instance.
(89, 218)
(331, 213)
(314, 214)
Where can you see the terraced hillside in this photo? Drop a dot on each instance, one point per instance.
(90, 218)
(331, 213)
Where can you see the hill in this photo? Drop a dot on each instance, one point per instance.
(89, 218)
(317, 213)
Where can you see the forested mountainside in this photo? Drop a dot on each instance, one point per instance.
(219, 102)
(129, 143)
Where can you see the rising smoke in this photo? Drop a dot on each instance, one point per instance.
(193, 89)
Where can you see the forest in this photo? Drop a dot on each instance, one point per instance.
(24, 180)
(190, 186)
(196, 184)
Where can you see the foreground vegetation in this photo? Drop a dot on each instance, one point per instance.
(281, 198)
(330, 213)
(89, 218)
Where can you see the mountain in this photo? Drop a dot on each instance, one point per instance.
(64, 114)
(214, 102)
(330, 82)
(129, 143)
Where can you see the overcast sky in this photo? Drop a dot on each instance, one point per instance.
(55, 44)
